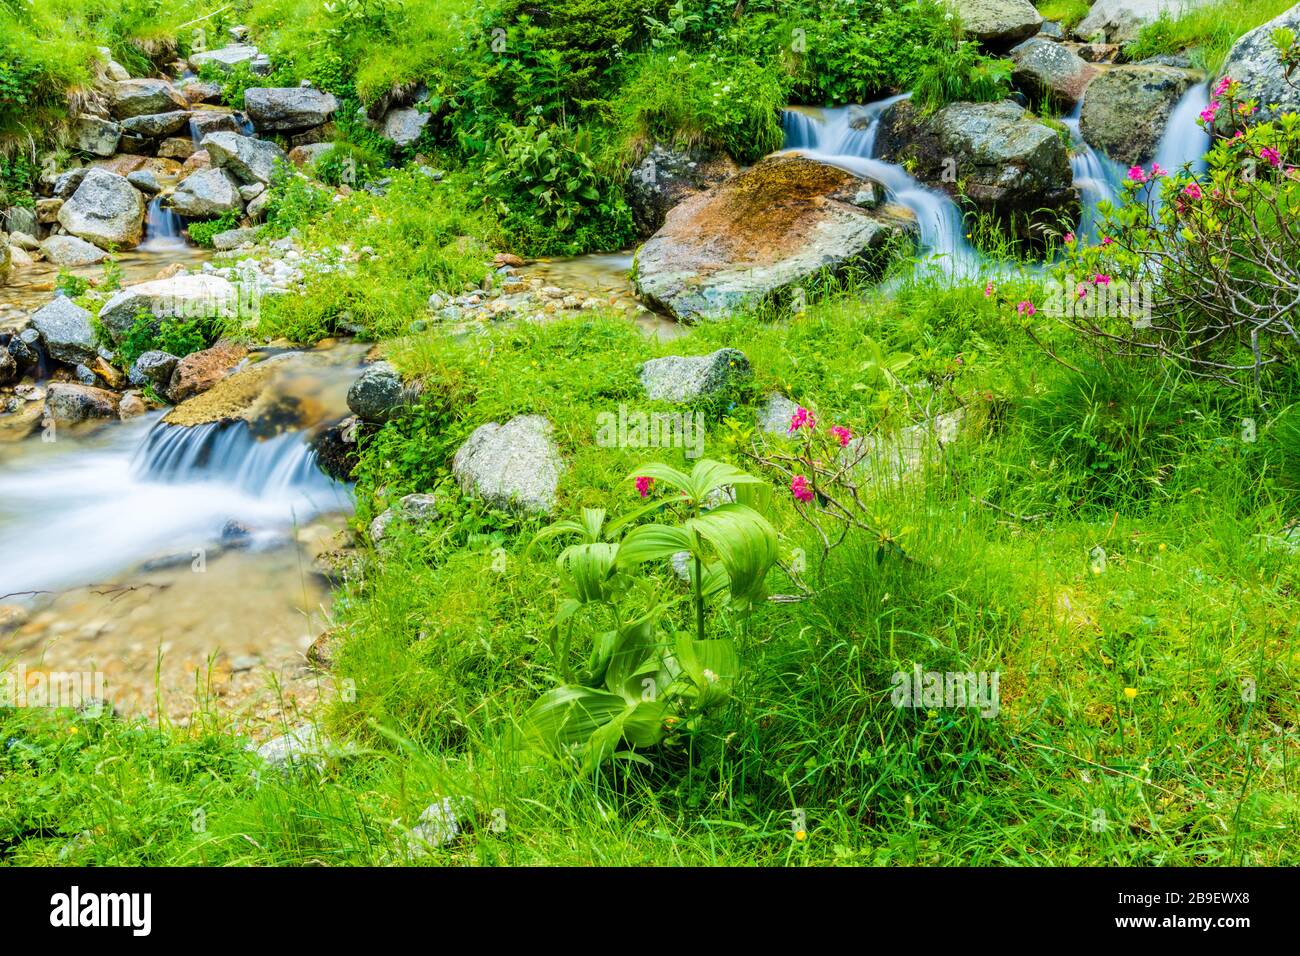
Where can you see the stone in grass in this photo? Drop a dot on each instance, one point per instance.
(684, 378)
(775, 414)
(378, 394)
(514, 467)
(411, 509)
(301, 747)
(439, 826)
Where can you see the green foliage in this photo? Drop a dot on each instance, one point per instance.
(549, 193)
(295, 201)
(70, 284)
(643, 680)
(179, 336)
(1207, 30)
(346, 164)
(962, 74)
(201, 233)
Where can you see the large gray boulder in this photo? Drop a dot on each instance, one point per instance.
(685, 378)
(1048, 71)
(666, 176)
(225, 59)
(66, 331)
(284, 109)
(998, 23)
(69, 252)
(96, 135)
(156, 125)
(204, 123)
(106, 210)
(137, 97)
(181, 296)
(1254, 63)
(1126, 109)
(69, 404)
(782, 220)
(514, 467)
(251, 160)
(997, 158)
(1117, 21)
(404, 126)
(206, 194)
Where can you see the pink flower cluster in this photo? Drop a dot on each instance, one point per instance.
(802, 418)
(800, 488)
(1136, 174)
(643, 485)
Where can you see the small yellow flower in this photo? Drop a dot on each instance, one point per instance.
(1162, 546)
(801, 836)
(1130, 692)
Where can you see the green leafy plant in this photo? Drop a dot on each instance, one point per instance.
(179, 336)
(644, 679)
(70, 284)
(202, 233)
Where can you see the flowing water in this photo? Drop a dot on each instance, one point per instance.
(163, 229)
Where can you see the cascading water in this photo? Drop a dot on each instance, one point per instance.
(1097, 176)
(1184, 142)
(163, 229)
(846, 137)
(79, 510)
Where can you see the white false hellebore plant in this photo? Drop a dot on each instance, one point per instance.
(642, 679)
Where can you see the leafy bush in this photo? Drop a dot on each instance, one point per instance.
(961, 74)
(70, 284)
(295, 201)
(549, 193)
(1212, 262)
(201, 233)
(346, 164)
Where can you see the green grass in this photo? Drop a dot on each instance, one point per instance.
(1065, 12)
(1208, 32)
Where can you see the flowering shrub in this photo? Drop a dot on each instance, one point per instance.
(1220, 252)
(826, 470)
(644, 679)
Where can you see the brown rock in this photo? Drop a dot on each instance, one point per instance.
(122, 164)
(179, 148)
(197, 160)
(199, 371)
(69, 404)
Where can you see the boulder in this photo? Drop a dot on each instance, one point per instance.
(206, 194)
(1007, 163)
(182, 296)
(66, 331)
(337, 452)
(112, 69)
(283, 109)
(156, 125)
(1047, 71)
(69, 404)
(780, 221)
(19, 219)
(411, 509)
(199, 159)
(8, 372)
(256, 209)
(998, 23)
(206, 122)
(233, 239)
(122, 164)
(404, 126)
(1254, 63)
(260, 394)
(225, 59)
(129, 98)
(1117, 21)
(23, 241)
(775, 414)
(179, 148)
(666, 176)
(1126, 109)
(513, 467)
(69, 252)
(199, 371)
(96, 135)
(307, 154)
(299, 750)
(378, 393)
(251, 160)
(153, 368)
(145, 180)
(685, 378)
(106, 210)
(200, 91)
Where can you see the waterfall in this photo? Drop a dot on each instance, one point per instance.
(163, 229)
(1097, 176)
(846, 137)
(1184, 143)
(88, 506)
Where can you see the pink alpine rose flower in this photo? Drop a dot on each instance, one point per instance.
(1136, 174)
(802, 418)
(1025, 307)
(1192, 191)
(643, 485)
(801, 490)
(842, 435)
(1273, 156)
